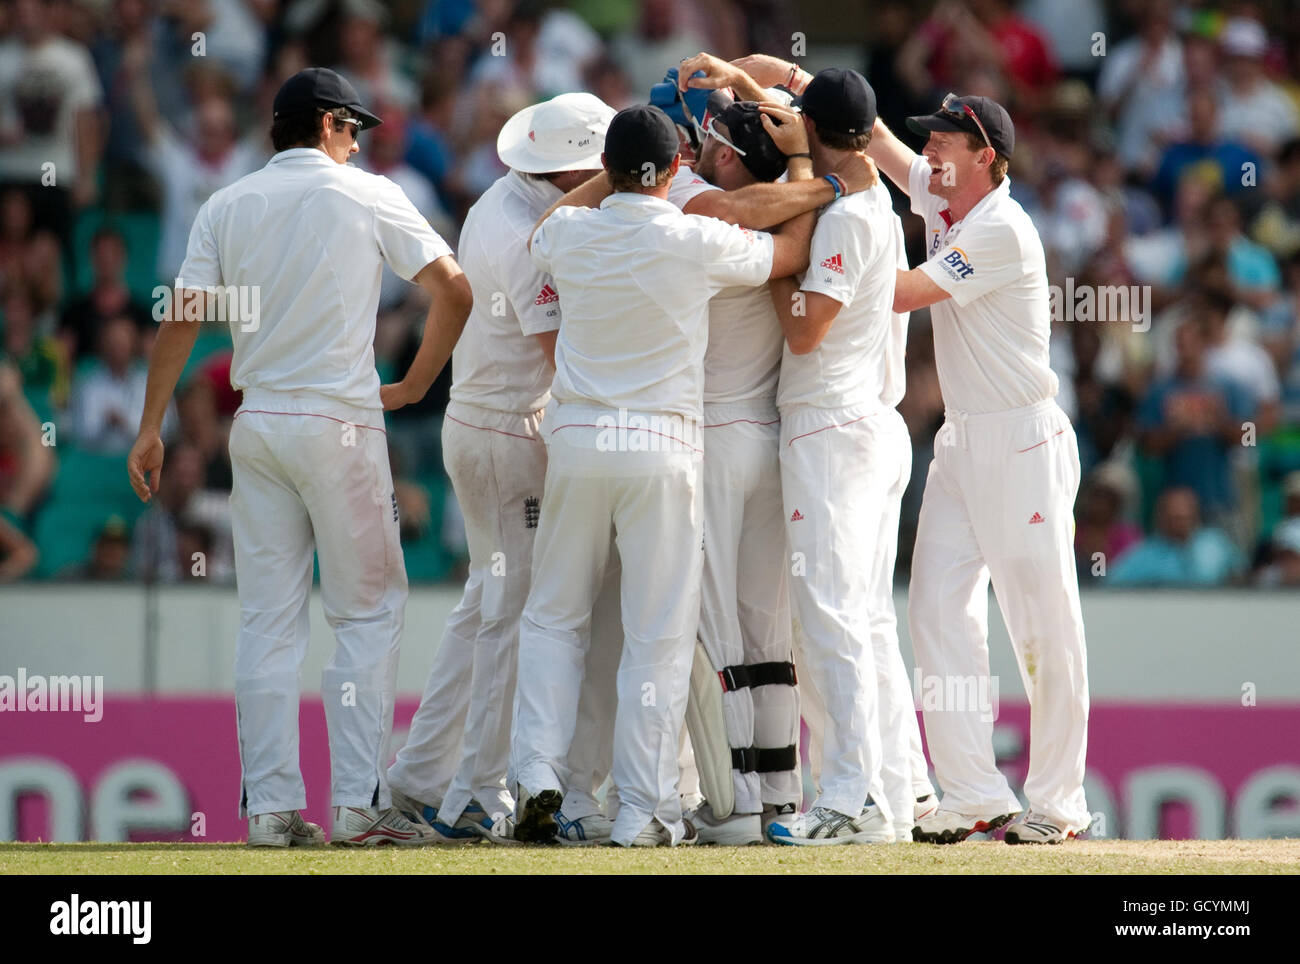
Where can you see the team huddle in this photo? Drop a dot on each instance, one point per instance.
(674, 439)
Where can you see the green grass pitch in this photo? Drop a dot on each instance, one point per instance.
(972, 857)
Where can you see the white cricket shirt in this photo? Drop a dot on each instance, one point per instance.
(636, 276)
(743, 357)
(312, 237)
(853, 258)
(991, 337)
(497, 363)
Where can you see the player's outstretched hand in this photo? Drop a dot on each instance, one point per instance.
(144, 464)
(858, 171)
(717, 72)
(785, 127)
(396, 395)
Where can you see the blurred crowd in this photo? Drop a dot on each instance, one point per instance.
(1158, 152)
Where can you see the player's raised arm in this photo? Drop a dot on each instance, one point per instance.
(891, 155)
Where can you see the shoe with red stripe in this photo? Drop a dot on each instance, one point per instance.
(946, 826)
(372, 827)
(1034, 828)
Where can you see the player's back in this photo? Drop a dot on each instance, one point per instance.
(856, 251)
(305, 239)
(635, 278)
(495, 364)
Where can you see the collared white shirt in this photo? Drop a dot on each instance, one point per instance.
(855, 252)
(311, 237)
(991, 337)
(497, 363)
(743, 358)
(635, 277)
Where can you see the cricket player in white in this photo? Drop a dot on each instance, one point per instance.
(999, 499)
(310, 234)
(844, 458)
(635, 277)
(452, 770)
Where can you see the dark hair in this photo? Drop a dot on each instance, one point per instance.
(302, 129)
(107, 232)
(998, 169)
(630, 182)
(837, 141)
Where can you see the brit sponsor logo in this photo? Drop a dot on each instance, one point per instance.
(957, 264)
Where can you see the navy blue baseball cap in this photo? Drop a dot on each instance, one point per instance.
(321, 87)
(638, 136)
(985, 118)
(839, 99)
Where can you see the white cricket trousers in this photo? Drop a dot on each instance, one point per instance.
(458, 745)
(999, 503)
(639, 485)
(312, 473)
(745, 602)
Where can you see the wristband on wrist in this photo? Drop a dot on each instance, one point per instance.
(836, 185)
(794, 71)
(800, 154)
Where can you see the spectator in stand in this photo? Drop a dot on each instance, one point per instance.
(1181, 552)
(429, 148)
(1253, 109)
(1141, 86)
(110, 556)
(1103, 407)
(1253, 275)
(1192, 421)
(1235, 356)
(1277, 224)
(26, 461)
(40, 360)
(371, 60)
(28, 254)
(665, 32)
(1103, 532)
(50, 136)
(165, 539)
(202, 427)
(108, 297)
(1206, 145)
(107, 400)
(188, 170)
(1283, 566)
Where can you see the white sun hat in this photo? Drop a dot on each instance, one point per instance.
(565, 133)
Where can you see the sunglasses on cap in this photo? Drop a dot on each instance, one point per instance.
(711, 129)
(952, 105)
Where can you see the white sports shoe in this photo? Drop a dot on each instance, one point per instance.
(737, 830)
(821, 827)
(588, 831)
(1034, 828)
(948, 826)
(285, 828)
(657, 835)
(498, 828)
(925, 807)
(426, 815)
(778, 813)
(372, 827)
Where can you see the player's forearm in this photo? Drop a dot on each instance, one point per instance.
(442, 329)
(171, 350)
(890, 154)
(760, 206)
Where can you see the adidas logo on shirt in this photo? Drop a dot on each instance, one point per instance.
(546, 296)
(1036, 518)
(835, 262)
(796, 516)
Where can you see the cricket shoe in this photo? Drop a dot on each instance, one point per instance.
(737, 830)
(372, 827)
(535, 815)
(948, 826)
(925, 807)
(498, 828)
(426, 815)
(285, 828)
(1034, 828)
(821, 827)
(781, 813)
(588, 831)
(657, 835)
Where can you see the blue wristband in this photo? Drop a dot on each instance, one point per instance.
(834, 182)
